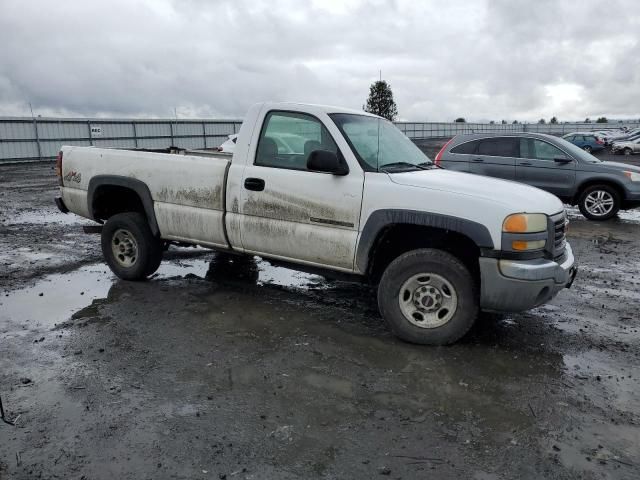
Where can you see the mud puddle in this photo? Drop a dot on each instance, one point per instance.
(56, 297)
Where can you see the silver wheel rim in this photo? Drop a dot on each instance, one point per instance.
(124, 248)
(599, 203)
(627, 151)
(587, 149)
(428, 300)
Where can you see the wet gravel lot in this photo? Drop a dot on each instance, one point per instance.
(226, 368)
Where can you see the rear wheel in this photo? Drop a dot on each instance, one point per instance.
(628, 151)
(587, 149)
(129, 248)
(428, 296)
(599, 202)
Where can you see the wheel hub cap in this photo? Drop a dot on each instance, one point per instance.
(428, 300)
(599, 203)
(124, 248)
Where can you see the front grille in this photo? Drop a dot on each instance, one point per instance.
(558, 233)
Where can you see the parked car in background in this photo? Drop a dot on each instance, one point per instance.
(229, 145)
(627, 147)
(600, 189)
(606, 135)
(626, 136)
(588, 142)
(626, 139)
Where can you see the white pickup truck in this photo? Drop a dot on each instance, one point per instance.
(337, 192)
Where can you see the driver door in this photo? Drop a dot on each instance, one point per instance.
(291, 213)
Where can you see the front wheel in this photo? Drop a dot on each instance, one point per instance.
(599, 202)
(628, 151)
(429, 297)
(129, 247)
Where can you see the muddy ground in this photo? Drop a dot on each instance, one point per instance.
(218, 368)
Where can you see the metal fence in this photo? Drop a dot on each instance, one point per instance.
(32, 139)
(423, 131)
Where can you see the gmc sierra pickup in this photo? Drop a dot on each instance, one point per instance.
(339, 192)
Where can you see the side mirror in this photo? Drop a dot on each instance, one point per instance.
(327, 162)
(562, 160)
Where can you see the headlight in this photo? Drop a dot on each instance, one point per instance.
(525, 223)
(633, 176)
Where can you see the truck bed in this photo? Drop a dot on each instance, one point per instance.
(187, 187)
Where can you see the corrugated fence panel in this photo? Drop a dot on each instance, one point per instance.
(190, 142)
(18, 150)
(220, 129)
(116, 143)
(112, 130)
(17, 130)
(153, 129)
(50, 148)
(62, 130)
(216, 141)
(154, 142)
(19, 141)
(191, 129)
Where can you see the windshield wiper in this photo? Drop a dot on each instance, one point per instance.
(400, 165)
(429, 165)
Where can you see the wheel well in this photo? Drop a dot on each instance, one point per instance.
(590, 183)
(109, 200)
(397, 239)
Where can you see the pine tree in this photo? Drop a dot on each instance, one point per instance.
(380, 101)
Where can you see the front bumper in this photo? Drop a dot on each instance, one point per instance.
(519, 285)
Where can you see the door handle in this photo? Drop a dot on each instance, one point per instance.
(477, 159)
(255, 184)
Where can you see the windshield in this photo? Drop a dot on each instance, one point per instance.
(379, 145)
(576, 151)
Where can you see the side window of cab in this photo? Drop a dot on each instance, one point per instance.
(288, 138)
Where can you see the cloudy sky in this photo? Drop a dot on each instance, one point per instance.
(494, 59)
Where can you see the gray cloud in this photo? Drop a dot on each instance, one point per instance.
(491, 60)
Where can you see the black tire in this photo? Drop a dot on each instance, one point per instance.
(584, 207)
(587, 149)
(144, 259)
(437, 263)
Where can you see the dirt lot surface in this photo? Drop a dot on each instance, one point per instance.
(220, 368)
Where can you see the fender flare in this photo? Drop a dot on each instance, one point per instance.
(611, 180)
(139, 187)
(381, 219)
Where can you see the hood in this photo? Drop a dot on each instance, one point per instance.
(518, 196)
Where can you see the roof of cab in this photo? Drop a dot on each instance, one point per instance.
(315, 108)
